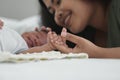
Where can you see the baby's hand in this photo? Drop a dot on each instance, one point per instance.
(57, 40)
(45, 29)
(52, 36)
(1, 24)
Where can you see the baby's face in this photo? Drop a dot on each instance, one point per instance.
(1, 24)
(35, 38)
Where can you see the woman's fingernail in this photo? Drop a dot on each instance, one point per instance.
(64, 32)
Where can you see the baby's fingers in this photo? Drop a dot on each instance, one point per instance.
(46, 29)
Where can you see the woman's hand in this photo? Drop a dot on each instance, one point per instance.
(82, 45)
(54, 38)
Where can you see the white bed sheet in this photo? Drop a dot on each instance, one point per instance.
(74, 69)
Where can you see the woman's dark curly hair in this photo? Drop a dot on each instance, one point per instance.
(48, 19)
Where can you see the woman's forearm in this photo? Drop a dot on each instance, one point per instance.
(107, 53)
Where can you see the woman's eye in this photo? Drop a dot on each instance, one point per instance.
(58, 2)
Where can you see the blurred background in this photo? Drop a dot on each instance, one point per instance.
(18, 9)
(20, 15)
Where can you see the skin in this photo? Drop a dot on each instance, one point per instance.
(35, 38)
(75, 18)
(82, 14)
(46, 47)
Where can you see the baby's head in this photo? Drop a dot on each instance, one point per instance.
(1, 24)
(35, 38)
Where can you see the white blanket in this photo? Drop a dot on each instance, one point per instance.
(51, 55)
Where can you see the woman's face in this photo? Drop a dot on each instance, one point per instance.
(72, 14)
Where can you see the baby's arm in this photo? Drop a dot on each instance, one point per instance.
(46, 47)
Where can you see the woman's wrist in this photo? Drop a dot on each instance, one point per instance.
(95, 52)
(99, 52)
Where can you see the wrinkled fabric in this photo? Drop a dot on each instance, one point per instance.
(11, 41)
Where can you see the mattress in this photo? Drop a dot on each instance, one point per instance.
(61, 68)
(64, 69)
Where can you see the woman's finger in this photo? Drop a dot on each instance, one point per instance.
(75, 39)
(64, 34)
(63, 48)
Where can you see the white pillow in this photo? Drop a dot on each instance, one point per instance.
(25, 25)
(29, 24)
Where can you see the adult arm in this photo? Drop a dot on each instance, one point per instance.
(83, 45)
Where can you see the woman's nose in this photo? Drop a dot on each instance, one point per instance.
(59, 17)
(60, 14)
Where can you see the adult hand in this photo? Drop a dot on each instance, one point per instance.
(54, 38)
(82, 45)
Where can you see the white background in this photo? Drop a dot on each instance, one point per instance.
(18, 9)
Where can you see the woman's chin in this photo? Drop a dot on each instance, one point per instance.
(74, 31)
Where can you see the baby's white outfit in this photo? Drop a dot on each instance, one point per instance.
(11, 41)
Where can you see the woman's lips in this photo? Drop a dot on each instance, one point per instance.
(67, 20)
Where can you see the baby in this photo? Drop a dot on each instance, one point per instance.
(36, 37)
(12, 42)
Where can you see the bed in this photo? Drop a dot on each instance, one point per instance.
(65, 69)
